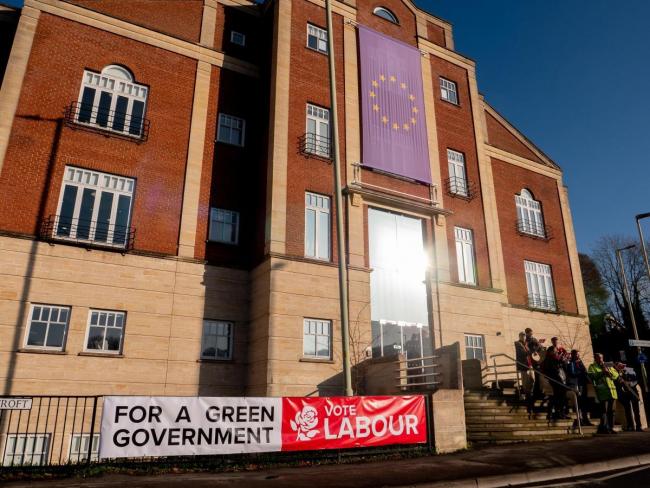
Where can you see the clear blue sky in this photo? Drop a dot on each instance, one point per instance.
(574, 77)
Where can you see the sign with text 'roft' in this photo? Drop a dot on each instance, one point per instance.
(185, 426)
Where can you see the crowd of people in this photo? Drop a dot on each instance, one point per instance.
(560, 379)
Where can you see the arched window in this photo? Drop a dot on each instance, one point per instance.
(529, 214)
(111, 100)
(384, 13)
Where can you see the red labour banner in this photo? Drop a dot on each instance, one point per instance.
(347, 422)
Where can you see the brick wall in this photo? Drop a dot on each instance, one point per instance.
(456, 131)
(436, 34)
(32, 174)
(508, 181)
(178, 18)
(499, 136)
(406, 31)
(309, 77)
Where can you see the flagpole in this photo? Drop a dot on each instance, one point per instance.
(340, 236)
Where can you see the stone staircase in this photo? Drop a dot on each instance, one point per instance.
(495, 416)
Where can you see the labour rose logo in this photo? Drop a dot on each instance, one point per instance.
(305, 423)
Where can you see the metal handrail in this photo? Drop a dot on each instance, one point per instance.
(97, 118)
(460, 187)
(87, 232)
(533, 229)
(542, 302)
(311, 144)
(494, 356)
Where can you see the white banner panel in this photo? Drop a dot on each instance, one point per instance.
(185, 426)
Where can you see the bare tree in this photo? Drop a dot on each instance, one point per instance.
(604, 255)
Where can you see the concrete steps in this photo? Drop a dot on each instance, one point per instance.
(494, 417)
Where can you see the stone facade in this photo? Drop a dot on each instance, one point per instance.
(174, 277)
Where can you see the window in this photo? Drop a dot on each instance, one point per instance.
(79, 448)
(237, 38)
(474, 347)
(224, 226)
(457, 173)
(386, 14)
(465, 255)
(529, 214)
(448, 91)
(539, 282)
(316, 38)
(317, 140)
(105, 331)
(95, 207)
(231, 130)
(26, 449)
(317, 226)
(112, 101)
(317, 339)
(217, 340)
(48, 327)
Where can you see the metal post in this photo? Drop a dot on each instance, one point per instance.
(92, 433)
(340, 237)
(628, 301)
(575, 398)
(496, 374)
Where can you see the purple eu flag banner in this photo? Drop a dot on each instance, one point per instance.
(392, 107)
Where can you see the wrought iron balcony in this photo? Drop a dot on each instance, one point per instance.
(98, 119)
(460, 188)
(533, 229)
(87, 232)
(542, 302)
(315, 146)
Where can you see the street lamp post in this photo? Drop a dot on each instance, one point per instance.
(628, 301)
(643, 249)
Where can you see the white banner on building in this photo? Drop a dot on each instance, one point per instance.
(182, 426)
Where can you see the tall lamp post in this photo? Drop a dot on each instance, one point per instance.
(340, 237)
(628, 301)
(643, 249)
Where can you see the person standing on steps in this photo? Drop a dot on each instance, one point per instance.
(525, 369)
(628, 395)
(604, 379)
(576, 379)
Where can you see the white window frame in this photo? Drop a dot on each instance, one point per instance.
(386, 14)
(321, 38)
(229, 120)
(10, 453)
(230, 327)
(529, 214)
(80, 454)
(457, 173)
(114, 314)
(100, 182)
(215, 220)
(448, 90)
(238, 38)
(319, 205)
(465, 256)
(30, 319)
(117, 82)
(317, 137)
(539, 283)
(319, 326)
(474, 342)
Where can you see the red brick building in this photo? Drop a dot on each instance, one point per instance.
(166, 203)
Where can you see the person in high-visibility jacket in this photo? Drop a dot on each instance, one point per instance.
(604, 379)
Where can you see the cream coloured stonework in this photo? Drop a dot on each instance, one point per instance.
(276, 204)
(194, 166)
(208, 23)
(12, 83)
(165, 301)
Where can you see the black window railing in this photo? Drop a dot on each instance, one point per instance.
(90, 233)
(542, 302)
(100, 119)
(460, 187)
(532, 229)
(315, 145)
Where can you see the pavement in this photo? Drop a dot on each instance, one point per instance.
(480, 467)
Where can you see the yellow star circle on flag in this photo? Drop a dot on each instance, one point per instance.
(384, 117)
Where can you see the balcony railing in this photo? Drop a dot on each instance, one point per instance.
(542, 302)
(460, 188)
(98, 119)
(314, 145)
(533, 229)
(87, 232)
